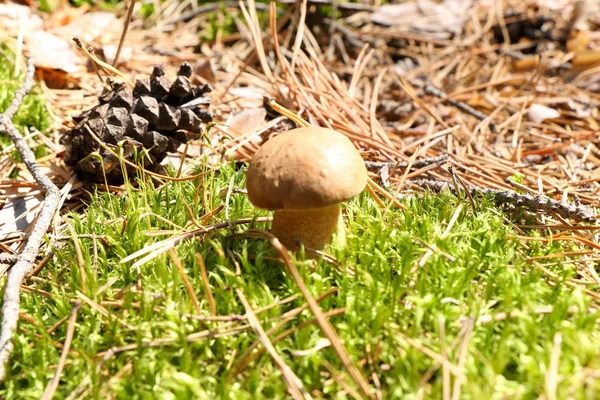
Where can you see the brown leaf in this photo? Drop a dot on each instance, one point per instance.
(248, 121)
(425, 15)
(50, 51)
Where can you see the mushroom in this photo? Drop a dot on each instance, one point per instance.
(303, 175)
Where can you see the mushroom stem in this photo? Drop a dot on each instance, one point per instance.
(313, 228)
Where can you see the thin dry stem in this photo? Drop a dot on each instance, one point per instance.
(552, 374)
(186, 281)
(294, 384)
(326, 327)
(124, 32)
(53, 384)
(206, 284)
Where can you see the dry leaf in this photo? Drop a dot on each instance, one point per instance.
(384, 174)
(205, 70)
(50, 51)
(249, 96)
(248, 121)
(89, 26)
(585, 60)
(425, 15)
(538, 113)
(15, 208)
(172, 159)
(11, 15)
(581, 110)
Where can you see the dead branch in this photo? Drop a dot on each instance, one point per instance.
(533, 203)
(416, 165)
(24, 261)
(6, 258)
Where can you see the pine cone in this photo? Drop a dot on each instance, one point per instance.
(156, 115)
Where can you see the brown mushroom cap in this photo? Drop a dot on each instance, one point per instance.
(305, 168)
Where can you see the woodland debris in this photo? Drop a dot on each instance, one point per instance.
(448, 16)
(415, 165)
(539, 113)
(533, 203)
(153, 118)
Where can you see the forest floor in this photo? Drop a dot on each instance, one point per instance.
(471, 264)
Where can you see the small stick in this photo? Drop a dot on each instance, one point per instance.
(109, 69)
(375, 196)
(6, 258)
(375, 187)
(416, 165)
(455, 183)
(285, 112)
(410, 91)
(95, 66)
(24, 264)
(535, 203)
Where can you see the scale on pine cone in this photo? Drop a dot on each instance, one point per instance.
(156, 115)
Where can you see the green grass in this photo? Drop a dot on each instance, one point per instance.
(388, 299)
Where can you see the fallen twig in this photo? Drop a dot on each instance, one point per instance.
(6, 258)
(534, 203)
(24, 262)
(416, 165)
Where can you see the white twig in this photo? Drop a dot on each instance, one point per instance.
(24, 262)
(6, 258)
(533, 203)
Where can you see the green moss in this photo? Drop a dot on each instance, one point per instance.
(479, 271)
(32, 113)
